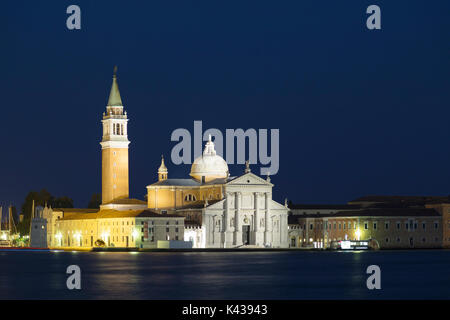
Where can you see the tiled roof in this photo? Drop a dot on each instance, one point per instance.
(420, 199)
(190, 182)
(76, 210)
(127, 201)
(324, 206)
(388, 212)
(111, 214)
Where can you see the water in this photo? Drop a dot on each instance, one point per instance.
(228, 275)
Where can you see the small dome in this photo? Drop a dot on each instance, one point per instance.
(209, 165)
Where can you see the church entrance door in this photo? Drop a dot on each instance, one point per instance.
(245, 235)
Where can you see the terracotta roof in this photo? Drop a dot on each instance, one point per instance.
(371, 212)
(420, 199)
(111, 214)
(191, 182)
(324, 206)
(76, 210)
(199, 204)
(127, 201)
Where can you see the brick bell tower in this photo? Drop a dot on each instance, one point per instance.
(114, 147)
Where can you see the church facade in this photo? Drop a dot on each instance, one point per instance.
(221, 211)
(209, 209)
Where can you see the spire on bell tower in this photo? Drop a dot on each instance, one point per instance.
(114, 95)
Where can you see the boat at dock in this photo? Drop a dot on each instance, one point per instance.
(350, 245)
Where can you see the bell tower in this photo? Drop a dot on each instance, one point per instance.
(114, 147)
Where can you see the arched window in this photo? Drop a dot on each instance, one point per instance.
(190, 197)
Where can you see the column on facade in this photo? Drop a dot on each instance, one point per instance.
(237, 220)
(174, 198)
(226, 220)
(267, 219)
(227, 212)
(256, 212)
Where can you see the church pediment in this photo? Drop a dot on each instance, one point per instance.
(217, 205)
(275, 205)
(249, 179)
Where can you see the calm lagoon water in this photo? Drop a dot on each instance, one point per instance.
(230, 275)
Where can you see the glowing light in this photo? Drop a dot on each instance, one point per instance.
(4, 236)
(358, 234)
(135, 233)
(105, 236)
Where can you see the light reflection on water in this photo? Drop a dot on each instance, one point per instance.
(227, 275)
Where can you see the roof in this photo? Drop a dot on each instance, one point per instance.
(190, 182)
(389, 212)
(114, 95)
(177, 182)
(76, 210)
(324, 206)
(111, 214)
(198, 204)
(126, 201)
(415, 199)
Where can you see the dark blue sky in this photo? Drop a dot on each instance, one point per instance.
(360, 112)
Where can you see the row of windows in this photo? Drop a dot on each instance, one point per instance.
(152, 238)
(115, 223)
(408, 226)
(387, 240)
(153, 222)
(151, 230)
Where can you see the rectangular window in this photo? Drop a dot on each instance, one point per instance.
(398, 225)
(366, 225)
(167, 229)
(374, 226)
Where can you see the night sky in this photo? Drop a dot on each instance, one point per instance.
(360, 112)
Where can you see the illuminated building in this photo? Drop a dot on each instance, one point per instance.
(208, 209)
(390, 224)
(121, 221)
(221, 211)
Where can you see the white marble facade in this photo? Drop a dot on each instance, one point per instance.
(246, 216)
